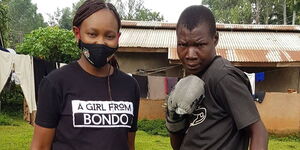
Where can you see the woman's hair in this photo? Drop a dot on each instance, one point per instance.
(91, 6)
(88, 8)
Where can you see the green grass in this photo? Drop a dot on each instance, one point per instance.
(291, 142)
(17, 136)
(145, 141)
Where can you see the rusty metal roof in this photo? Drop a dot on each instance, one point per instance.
(255, 47)
(235, 45)
(220, 27)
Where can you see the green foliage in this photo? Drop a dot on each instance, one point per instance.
(228, 11)
(253, 11)
(285, 138)
(3, 22)
(6, 120)
(128, 10)
(54, 19)
(11, 99)
(23, 19)
(135, 10)
(50, 43)
(153, 127)
(65, 21)
(147, 15)
(62, 18)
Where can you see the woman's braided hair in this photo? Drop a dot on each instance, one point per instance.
(91, 6)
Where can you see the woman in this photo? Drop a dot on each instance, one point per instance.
(89, 104)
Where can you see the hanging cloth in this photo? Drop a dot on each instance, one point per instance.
(143, 84)
(24, 71)
(171, 82)
(251, 77)
(6, 65)
(41, 69)
(156, 87)
(260, 76)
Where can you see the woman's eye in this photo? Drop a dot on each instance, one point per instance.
(92, 34)
(110, 36)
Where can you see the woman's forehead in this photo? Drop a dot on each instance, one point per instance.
(103, 18)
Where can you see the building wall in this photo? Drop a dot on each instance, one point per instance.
(279, 111)
(130, 62)
(277, 79)
(280, 80)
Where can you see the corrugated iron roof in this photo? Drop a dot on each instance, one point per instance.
(235, 46)
(240, 55)
(220, 27)
(147, 38)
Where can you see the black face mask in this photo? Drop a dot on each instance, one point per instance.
(96, 54)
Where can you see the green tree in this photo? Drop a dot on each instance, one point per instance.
(128, 10)
(231, 11)
(23, 19)
(65, 21)
(3, 21)
(54, 18)
(64, 17)
(255, 11)
(135, 10)
(50, 43)
(148, 15)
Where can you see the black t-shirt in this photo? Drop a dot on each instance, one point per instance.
(77, 104)
(218, 121)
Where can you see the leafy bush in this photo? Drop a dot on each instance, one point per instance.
(154, 127)
(294, 137)
(11, 99)
(6, 120)
(50, 43)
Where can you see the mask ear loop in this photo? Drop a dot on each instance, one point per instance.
(108, 84)
(108, 77)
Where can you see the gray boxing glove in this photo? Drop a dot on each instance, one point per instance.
(182, 101)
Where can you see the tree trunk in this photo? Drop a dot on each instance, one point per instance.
(284, 12)
(257, 12)
(2, 45)
(267, 17)
(294, 13)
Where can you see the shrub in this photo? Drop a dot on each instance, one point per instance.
(6, 120)
(50, 43)
(11, 99)
(154, 127)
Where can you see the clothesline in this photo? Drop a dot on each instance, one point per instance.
(23, 68)
(28, 70)
(155, 70)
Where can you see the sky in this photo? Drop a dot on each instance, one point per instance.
(170, 9)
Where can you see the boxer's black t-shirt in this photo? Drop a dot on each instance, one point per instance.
(218, 122)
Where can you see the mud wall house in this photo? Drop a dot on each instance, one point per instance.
(144, 48)
(271, 49)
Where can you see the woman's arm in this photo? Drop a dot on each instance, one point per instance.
(42, 138)
(131, 140)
